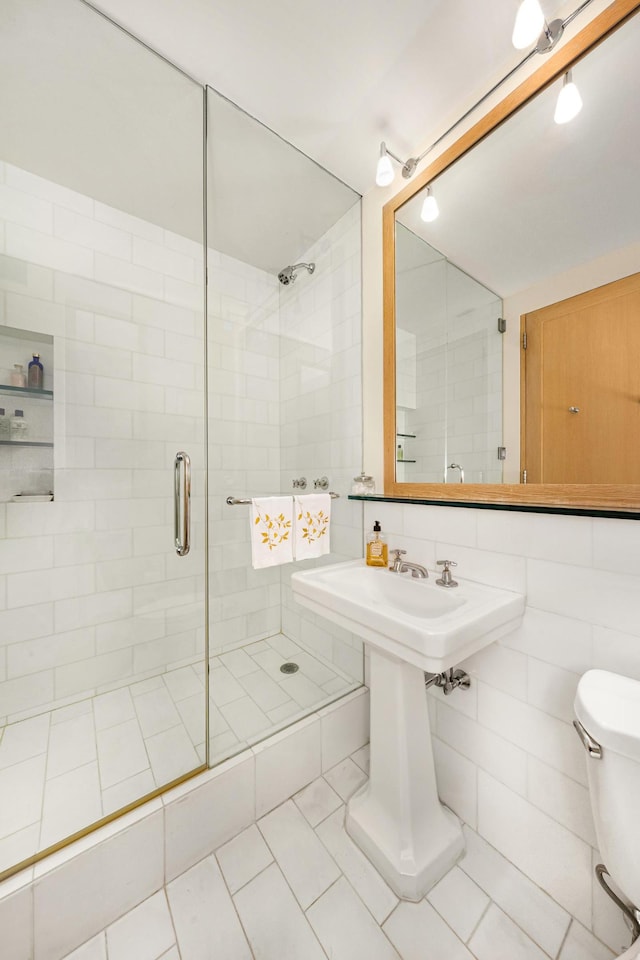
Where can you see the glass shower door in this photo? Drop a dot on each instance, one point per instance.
(102, 626)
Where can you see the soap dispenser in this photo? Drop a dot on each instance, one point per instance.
(377, 550)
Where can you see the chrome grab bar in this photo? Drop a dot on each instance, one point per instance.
(182, 542)
(234, 501)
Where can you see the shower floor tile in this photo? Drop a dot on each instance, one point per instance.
(293, 887)
(67, 768)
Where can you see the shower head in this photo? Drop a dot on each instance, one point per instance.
(288, 274)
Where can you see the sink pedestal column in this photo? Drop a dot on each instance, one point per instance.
(397, 819)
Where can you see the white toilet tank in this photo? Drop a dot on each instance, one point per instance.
(608, 707)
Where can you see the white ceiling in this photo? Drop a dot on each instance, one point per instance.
(336, 77)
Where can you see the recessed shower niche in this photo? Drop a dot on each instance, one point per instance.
(26, 415)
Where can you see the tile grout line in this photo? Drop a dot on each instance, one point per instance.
(564, 940)
(173, 923)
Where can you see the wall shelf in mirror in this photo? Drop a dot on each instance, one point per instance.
(527, 241)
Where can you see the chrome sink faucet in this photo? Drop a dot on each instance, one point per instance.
(403, 566)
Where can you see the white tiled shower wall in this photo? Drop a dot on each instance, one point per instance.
(285, 402)
(508, 760)
(321, 411)
(455, 377)
(91, 591)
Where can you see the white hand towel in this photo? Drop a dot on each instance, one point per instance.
(271, 531)
(313, 517)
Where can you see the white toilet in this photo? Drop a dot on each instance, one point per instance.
(607, 706)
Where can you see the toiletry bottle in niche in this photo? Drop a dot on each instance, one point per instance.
(399, 452)
(35, 379)
(17, 377)
(18, 426)
(377, 550)
(5, 425)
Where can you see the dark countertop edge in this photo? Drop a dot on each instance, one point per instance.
(514, 507)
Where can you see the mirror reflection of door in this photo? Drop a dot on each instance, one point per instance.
(581, 388)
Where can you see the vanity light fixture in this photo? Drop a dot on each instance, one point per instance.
(569, 102)
(430, 211)
(385, 173)
(531, 27)
(528, 25)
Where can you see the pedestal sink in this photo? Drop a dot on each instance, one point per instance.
(409, 625)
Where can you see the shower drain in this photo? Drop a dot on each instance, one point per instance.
(289, 668)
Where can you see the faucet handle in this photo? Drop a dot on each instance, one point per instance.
(398, 553)
(446, 580)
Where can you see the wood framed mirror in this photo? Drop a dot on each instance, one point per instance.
(538, 232)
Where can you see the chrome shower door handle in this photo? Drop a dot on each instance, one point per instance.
(182, 503)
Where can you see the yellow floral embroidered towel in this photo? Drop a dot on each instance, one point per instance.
(313, 516)
(271, 531)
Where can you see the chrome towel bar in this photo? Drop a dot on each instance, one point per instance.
(234, 501)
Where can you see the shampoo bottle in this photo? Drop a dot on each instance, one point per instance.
(377, 550)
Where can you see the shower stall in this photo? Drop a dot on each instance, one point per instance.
(144, 224)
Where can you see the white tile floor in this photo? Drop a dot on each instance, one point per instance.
(295, 887)
(67, 768)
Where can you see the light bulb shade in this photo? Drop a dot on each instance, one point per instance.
(430, 211)
(384, 171)
(529, 24)
(569, 102)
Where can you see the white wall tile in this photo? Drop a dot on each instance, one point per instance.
(500, 667)
(558, 538)
(48, 251)
(16, 923)
(556, 639)
(502, 759)
(562, 798)
(191, 831)
(457, 782)
(558, 861)
(26, 209)
(618, 652)
(90, 891)
(345, 728)
(615, 545)
(288, 762)
(91, 234)
(598, 597)
(551, 740)
(552, 689)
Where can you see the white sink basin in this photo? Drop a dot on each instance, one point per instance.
(431, 627)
